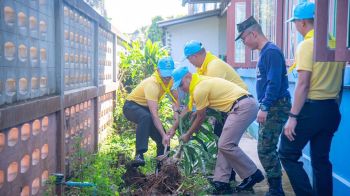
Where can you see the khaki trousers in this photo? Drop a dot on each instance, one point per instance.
(230, 155)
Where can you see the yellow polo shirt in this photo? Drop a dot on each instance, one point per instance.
(148, 89)
(326, 77)
(218, 68)
(216, 93)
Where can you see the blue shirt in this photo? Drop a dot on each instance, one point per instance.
(272, 80)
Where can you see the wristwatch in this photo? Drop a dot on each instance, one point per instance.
(263, 108)
(290, 114)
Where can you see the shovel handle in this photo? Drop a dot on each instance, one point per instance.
(165, 149)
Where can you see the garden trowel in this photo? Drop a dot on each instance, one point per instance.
(160, 158)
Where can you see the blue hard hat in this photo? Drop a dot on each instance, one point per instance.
(192, 47)
(177, 75)
(166, 66)
(305, 10)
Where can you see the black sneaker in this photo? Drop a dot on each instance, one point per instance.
(249, 182)
(138, 161)
(221, 188)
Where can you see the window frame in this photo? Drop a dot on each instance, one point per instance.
(239, 41)
(322, 51)
(288, 30)
(279, 30)
(274, 24)
(342, 50)
(232, 24)
(232, 21)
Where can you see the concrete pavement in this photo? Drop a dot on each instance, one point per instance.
(249, 146)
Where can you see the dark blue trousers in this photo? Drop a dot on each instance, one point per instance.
(317, 123)
(145, 128)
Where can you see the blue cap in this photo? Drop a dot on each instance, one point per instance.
(192, 47)
(166, 66)
(302, 11)
(177, 75)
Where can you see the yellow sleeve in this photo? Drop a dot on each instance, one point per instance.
(304, 56)
(200, 97)
(151, 91)
(215, 69)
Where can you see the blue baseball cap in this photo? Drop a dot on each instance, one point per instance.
(166, 66)
(192, 47)
(177, 75)
(305, 10)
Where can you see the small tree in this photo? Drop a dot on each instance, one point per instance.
(139, 63)
(154, 33)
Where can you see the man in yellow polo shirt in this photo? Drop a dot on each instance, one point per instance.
(141, 107)
(208, 64)
(315, 115)
(224, 96)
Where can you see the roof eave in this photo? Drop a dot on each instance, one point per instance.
(199, 1)
(189, 18)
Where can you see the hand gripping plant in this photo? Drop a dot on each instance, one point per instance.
(199, 154)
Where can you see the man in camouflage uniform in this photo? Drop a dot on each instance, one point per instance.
(273, 96)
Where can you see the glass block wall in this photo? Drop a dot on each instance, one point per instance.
(105, 56)
(79, 132)
(28, 156)
(78, 34)
(105, 114)
(31, 91)
(27, 66)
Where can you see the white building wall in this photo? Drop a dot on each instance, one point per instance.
(210, 31)
(222, 35)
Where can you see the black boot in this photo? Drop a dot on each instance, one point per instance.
(138, 161)
(221, 188)
(275, 187)
(249, 182)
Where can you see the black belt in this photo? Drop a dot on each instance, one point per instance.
(239, 99)
(320, 101)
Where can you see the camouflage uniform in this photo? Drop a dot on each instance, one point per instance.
(269, 133)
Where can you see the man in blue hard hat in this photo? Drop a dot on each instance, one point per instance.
(314, 116)
(141, 107)
(208, 64)
(241, 108)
